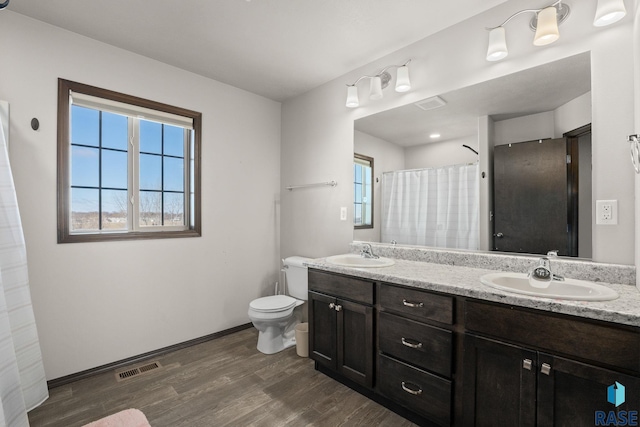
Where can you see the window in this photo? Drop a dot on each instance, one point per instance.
(128, 168)
(363, 191)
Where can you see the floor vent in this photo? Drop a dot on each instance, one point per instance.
(133, 372)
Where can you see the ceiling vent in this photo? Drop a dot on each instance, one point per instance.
(431, 103)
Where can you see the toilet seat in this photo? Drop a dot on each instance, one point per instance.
(273, 303)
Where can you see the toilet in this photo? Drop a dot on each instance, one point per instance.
(273, 316)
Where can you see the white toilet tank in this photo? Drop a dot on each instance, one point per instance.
(297, 279)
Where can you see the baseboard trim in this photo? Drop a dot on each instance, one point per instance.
(142, 357)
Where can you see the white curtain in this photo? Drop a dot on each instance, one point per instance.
(432, 207)
(22, 379)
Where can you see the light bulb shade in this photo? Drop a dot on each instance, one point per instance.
(375, 89)
(352, 97)
(403, 83)
(608, 12)
(497, 44)
(547, 29)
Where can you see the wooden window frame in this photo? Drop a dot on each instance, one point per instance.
(370, 160)
(65, 87)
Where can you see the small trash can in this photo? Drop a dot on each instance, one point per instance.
(302, 339)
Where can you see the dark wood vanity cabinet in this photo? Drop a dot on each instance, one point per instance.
(443, 360)
(341, 325)
(415, 351)
(539, 369)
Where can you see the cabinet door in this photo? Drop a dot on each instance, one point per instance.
(322, 329)
(355, 342)
(499, 384)
(570, 393)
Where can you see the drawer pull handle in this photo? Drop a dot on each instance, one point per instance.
(527, 364)
(410, 344)
(545, 368)
(336, 307)
(412, 304)
(410, 390)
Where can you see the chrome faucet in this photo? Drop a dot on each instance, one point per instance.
(554, 254)
(367, 251)
(542, 272)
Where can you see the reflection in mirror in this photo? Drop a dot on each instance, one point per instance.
(362, 191)
(549, 102)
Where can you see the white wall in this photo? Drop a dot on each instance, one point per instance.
(572, 115)
(526, 128)
(444, 153)
(387, 157)
(317, 133)
(636, 130)
(97, 303)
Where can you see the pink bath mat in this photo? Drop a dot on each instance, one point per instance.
(127, 418)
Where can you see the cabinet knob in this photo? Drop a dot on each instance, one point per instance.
(332, 305)
(412, 304)
(410, 390)
(410, 344)
(338, 307)
(545, 368)
(527, 364)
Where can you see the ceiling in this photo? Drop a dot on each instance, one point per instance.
(536, 90)
(275, 48)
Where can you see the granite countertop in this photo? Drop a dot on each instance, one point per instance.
(465, 281)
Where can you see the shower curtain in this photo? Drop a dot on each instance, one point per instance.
(432, 207)
(22, 379)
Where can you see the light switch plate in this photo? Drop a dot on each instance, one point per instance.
(606, 212)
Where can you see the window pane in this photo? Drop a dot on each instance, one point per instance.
(114, 131)
(358, 193)
(366, 220)
(173, 174)
(150, 137)
(84, 209)
(114, 169)
(150, 208)
(173, 209)
(84, 166)
(150, 172)
(114, 209)
(192, 209)
(357, 214)
(85, 126)
(173, 141)
(357, 173)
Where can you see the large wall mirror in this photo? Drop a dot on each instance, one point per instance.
(489, 166)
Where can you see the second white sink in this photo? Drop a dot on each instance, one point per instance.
(355, 260)
(570, 289)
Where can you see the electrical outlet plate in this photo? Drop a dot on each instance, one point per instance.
(606, 212)
(343, 214)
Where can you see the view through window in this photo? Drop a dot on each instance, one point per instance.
(131, 170)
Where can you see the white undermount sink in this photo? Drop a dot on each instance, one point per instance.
(569, 289)
(355, 260)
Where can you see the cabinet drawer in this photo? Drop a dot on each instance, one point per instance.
(421, 392)
(426, 346)
(596, 341)
(420, 305)
(341, 286)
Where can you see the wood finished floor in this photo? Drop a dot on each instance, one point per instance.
(223, 382)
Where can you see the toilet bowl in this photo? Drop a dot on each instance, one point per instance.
(273, 316)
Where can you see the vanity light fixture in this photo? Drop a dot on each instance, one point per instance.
(379, 82)
(608, 12)
(544, 23)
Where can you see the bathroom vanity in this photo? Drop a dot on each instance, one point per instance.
(429, 341)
